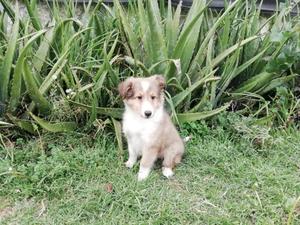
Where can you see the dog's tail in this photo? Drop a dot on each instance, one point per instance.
(187, 139)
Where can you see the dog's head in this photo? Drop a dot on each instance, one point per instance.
(144, 96)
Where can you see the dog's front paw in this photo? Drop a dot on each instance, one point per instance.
(143, 173)
(129, 164)
(167, 172)
(142, 176)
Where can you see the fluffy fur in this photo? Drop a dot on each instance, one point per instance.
(147, 127)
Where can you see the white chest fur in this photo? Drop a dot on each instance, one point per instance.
(139, 131)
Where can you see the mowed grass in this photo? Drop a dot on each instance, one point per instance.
(224, 179)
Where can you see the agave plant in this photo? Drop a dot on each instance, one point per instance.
(40, 63)
(210, 58)
(50, 72)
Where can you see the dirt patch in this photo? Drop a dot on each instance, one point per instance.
(6, 209)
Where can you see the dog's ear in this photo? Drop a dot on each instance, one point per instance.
(161, 81)
(126, 88)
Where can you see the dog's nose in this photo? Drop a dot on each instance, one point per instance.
(148, 114)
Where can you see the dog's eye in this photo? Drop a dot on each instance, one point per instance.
(139, 97)
(153, 97)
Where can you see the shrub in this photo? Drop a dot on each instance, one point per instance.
(68, 71)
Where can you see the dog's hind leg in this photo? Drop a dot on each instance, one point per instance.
(168, 164)
(171, 158)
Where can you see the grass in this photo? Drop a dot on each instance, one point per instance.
(225, 178)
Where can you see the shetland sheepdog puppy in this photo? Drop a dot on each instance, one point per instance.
(148, 128)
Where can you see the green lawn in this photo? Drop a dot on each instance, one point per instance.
(224, 179)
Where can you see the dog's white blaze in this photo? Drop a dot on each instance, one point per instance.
(145, 85)
(146, 105)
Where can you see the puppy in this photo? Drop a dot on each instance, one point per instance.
(147, 126)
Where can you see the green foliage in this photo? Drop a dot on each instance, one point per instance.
(8, 60)
(219, 57)
(39, 68)
(55, 127)
(285, 108)
(208, 58)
